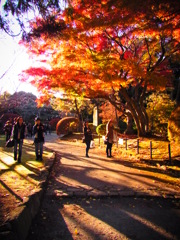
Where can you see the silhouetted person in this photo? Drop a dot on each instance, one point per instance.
(87, 136)
(8, 130)
(109, 136)
(18, 133)
(38, 131)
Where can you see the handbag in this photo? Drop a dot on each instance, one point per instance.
(106, 141)
(83, 140)
(92, 144)
(10, 143)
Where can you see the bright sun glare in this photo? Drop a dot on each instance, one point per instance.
(13, 60)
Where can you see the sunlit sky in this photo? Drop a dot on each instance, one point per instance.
(13, 60)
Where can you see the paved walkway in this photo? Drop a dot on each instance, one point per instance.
(98, 176)
(79, 203)
(72, 174)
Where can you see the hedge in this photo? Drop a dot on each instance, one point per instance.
(67, 125)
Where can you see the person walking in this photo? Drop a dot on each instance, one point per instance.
(8, 130)
(109, 137)
(38, 132)
(18, 134)
(87, 137)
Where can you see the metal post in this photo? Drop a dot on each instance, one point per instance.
(169, 151)
(150, 149)
(137, 146)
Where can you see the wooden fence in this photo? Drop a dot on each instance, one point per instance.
(152, 149)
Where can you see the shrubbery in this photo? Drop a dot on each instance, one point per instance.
(101, 130)
(67, 125)
(122, 126)
(174, 125)
(159, 108)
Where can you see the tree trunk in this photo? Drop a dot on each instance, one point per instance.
(178, 94)
(129, 129)
(137, 110)
(138, 118)
(79, 116)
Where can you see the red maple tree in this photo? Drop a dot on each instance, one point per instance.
(113, 50)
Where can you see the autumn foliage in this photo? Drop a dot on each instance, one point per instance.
(174, 126)
(114, 50)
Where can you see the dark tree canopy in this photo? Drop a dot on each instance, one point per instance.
(13, 12)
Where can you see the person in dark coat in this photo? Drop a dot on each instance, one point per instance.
(8, 130)
(38, 131)
(18, 133)
(87, 136)
(109, 137)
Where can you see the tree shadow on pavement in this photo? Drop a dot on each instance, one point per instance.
(49, 223)
(72, 210)
(123, 218)
(98, 174)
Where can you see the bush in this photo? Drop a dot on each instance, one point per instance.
(159, 108)
(101, 130)
(73, 126)
(174, 125)
(122, 126)
(66, 125)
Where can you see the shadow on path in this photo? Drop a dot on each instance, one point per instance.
(77, 203)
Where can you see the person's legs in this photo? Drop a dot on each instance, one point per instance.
(8, 135)
(107, 149)
(20, 150)
(15, 149)
(36, 150)
(87, 147)
(110, 148)
(41, 150)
